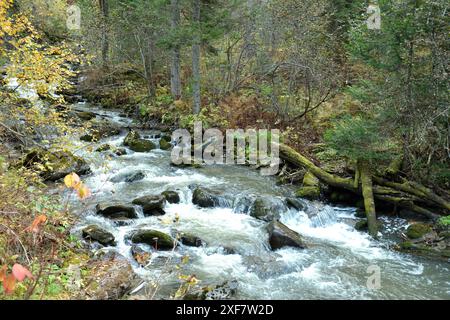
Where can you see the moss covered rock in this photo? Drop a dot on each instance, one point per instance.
(311, 193)
(164, 145)
(418, 230)
(141, 145)
(131, 136)
(103, 147)
(157, 239)
(53, 165)
(310, 180)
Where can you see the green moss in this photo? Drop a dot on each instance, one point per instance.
(444, 221)
(361, 225)
(164, 145)
(310, 180)
(417, 230)
(141, 145)
(312, 193)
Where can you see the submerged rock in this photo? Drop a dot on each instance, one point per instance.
(267, 209)
(152, 205)
(115, 211)
(128, 177)
(157, 239)
(281, 236)
(120, 151)
(95, 233)
(54, 165)
(171, 196)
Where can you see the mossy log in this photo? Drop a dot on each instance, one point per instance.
(403, 195)
(367, 192)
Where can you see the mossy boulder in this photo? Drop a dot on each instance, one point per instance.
(95, 233)
(53, 165)
(152, 205)
(296, 204)
(157, 239)
(310, 193)
(164, 145)
(141, 145)
(418, 230)
(131, 136)
(116, 211)
(171, 196)
(166, 137)
(134, 141)
(281, 236)
(443, 224)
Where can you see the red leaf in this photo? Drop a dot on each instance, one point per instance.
(36, 223)
(9, 284)
(20, 272)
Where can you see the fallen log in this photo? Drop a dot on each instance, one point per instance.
(400, 194)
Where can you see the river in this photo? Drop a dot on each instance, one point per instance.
(334, 266)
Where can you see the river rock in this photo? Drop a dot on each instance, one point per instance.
(157, 239)
(224, 291)
(95, 233)
(171, 196)
(54, 165)
(103, 147)
(296, 204)
(128, 177)
(134, 142)
(120, 151)
(191, 240)
(206, 198)
(116, 211)
(310, 188)
(281, 236)
(164, 145)
(152, 205)
(267, 208)
(86, 115)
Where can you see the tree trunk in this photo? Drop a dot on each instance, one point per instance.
(369, 202)
(104, 9)
(196, 58)
(175, 78)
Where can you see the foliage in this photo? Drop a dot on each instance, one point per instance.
(359, 138)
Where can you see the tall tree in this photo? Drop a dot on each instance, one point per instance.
(104, 10)
(196, 56)
(175, 68)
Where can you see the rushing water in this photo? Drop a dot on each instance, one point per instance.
(335, 266)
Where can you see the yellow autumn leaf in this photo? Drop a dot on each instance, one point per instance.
(72, 180)
(83, 192)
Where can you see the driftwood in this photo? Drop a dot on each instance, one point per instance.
(408, 195)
